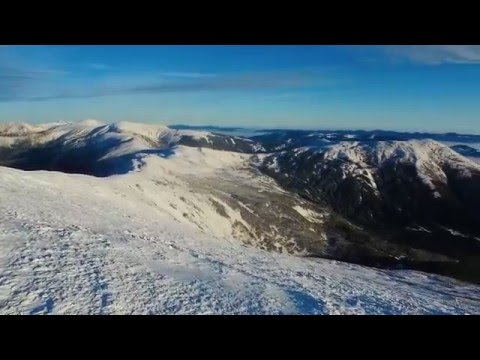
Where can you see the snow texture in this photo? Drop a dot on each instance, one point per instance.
(136, 243)
(76, 244)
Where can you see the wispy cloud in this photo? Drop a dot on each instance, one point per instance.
(245, 81)
(11, 81)
(435, 54)
(184, 83)
(187, 74)
(98, 66)
(17, 82)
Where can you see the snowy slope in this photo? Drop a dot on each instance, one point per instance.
(90, 146)
(77, 244)
(166, 231)
(358, 160)
(389, 188)
(426, 155)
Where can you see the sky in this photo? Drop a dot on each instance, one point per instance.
(433, 88)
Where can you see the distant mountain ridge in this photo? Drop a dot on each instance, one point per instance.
(280, 139)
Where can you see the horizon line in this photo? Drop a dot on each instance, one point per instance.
(262, 128)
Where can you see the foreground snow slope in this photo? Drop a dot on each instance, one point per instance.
(77, 244)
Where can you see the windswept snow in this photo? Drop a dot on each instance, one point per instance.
(196, 134)
(19, 129)
(169, 237)
(427, 156)
(308, 214)
(76, 244)
(151, 132)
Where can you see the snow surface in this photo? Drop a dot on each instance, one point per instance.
(428, 156)
(196, 134)
(148, 242)
(76, 244)
(152, 132)
(307, 214)
(13, 129)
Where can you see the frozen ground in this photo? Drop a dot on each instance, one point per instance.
(77, 244)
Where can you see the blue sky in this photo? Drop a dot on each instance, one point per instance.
(414, 88)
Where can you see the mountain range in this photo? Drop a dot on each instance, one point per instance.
(397, 205)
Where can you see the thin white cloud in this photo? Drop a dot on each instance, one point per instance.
(17, 81)
(154, 84)
(98, 66)
(169, 74)
(435, 54)
(186, 74)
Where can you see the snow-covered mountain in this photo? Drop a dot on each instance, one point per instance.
(88, 147)
(168, 224)
(247, 203)
(419, 196)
